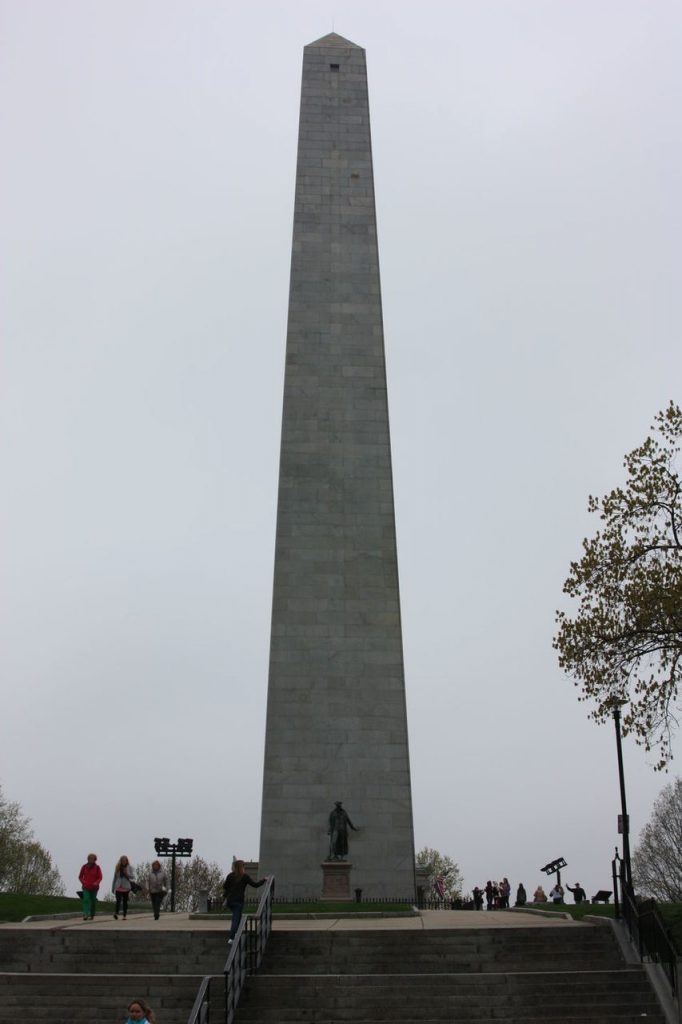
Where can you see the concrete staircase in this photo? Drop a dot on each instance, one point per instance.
(95, 999)
(572, 975)
(563, 975)
(65, 976)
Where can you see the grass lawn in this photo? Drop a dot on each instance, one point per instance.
(577, 911)
(334, 908)
(671, 913)
(16, 908)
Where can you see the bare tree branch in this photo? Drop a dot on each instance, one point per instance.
(657, 860)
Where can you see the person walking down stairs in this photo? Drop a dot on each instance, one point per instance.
(123, 884)
(157, 885)
(234, 888)
(90, 877)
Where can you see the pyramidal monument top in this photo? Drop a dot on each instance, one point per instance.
(334, 39)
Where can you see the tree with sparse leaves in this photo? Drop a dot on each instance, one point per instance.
(190, 877)
(25, 866)
(32, 871)
(623, 646)
(657, 860)
(441, 866)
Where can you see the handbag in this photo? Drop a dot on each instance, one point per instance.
(134, 886)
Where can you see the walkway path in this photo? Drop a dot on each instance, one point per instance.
(427, 919)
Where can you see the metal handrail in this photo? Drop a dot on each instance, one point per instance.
(260, 925)
(246, 951)
(649, 934)
(236, 970)
(244, 957)
(630, 913)
(199, 1011)
(655, 942)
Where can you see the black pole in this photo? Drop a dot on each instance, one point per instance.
(623, 805)
(164, 847)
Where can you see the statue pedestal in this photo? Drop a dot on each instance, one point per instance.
(336, 880)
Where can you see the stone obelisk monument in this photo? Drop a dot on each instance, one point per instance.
(336, 720)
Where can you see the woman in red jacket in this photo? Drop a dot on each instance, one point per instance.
(90, 878)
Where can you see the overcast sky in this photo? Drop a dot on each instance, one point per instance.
(527, 170)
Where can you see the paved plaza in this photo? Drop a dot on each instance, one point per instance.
(425, 920)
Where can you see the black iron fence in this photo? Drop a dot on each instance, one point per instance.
(457, 903)
(215, 903)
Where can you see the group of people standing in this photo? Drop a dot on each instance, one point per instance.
(124, 882)
(496, 895)
(556, 894)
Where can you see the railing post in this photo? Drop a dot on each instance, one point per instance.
(614, 875)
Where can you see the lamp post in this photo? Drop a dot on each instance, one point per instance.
(164, 848)
(624, 823)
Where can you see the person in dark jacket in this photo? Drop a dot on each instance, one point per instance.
(234, 888)
(579, 894)
(90, 877)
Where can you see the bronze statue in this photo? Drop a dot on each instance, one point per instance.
(339, 823)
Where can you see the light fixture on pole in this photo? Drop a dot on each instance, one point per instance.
(164, 848)
(555, 866)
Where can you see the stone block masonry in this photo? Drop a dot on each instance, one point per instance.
(336, 720)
